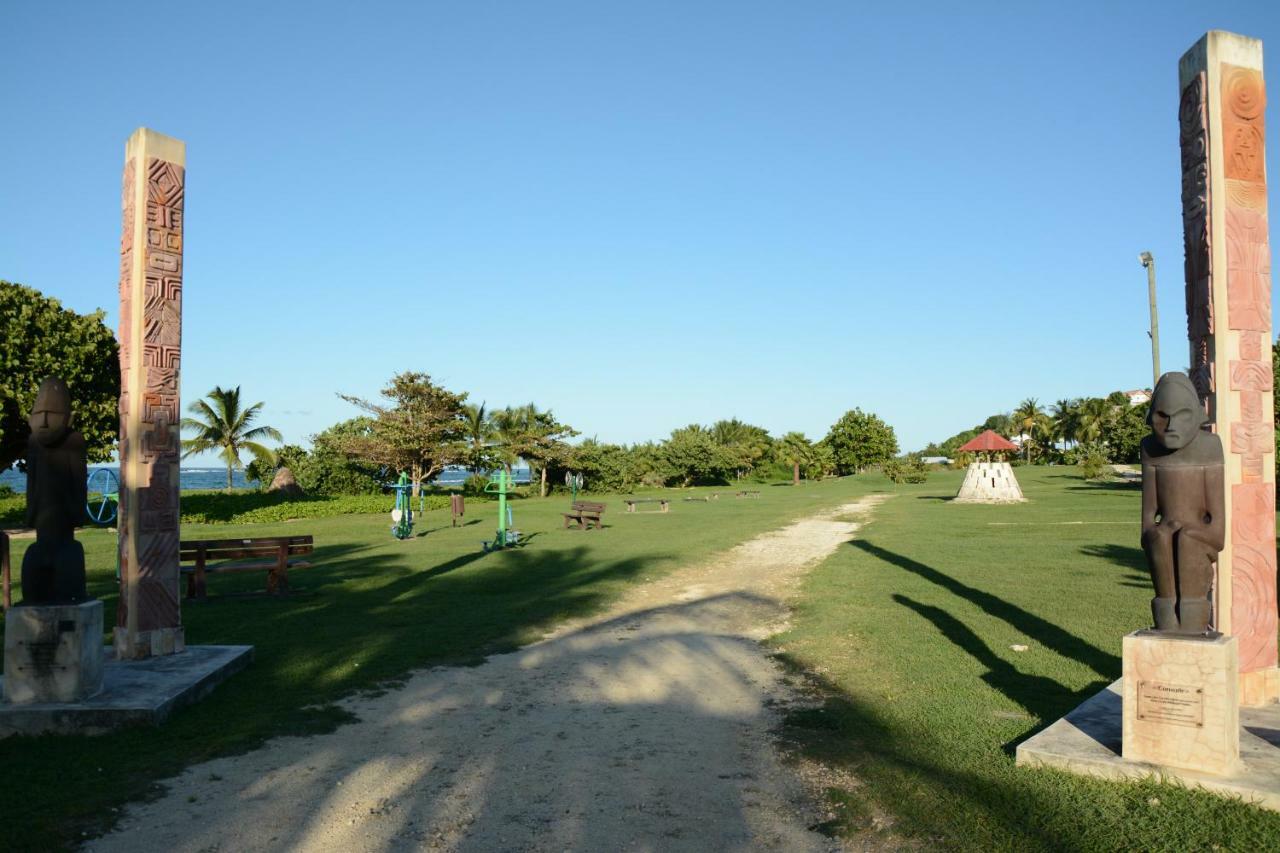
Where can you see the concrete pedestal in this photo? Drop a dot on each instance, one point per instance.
(1181, 702)
(52, 653)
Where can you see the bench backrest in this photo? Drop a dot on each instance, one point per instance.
(587, 506)
(232, 549)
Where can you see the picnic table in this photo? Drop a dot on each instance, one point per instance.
(631, 504)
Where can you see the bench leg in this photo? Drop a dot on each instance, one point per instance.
(196, 580)
(278, 579)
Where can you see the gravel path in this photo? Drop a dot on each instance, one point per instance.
(645, 728)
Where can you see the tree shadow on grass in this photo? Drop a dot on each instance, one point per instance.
(1107, 486)
(640, 715)
(941, 789)
(1132, 561)
(1043, 631)
(369, 615)
(1043, 697)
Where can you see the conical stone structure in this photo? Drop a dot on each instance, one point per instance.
(989, 482)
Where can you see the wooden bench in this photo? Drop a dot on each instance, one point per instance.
(747, 494)
(703, 498)
(631, 504)
(275, 556)
(585, 513)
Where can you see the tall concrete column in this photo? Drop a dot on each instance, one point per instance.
(148, 618)
(1228, 274)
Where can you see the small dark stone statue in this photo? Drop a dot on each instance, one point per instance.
(1183, 507)
(53, 567)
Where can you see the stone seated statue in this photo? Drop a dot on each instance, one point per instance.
(53, 567)
(1183, 507)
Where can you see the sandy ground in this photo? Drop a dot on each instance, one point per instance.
(645, 728)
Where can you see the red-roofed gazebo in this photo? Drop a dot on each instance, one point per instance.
(989, 442)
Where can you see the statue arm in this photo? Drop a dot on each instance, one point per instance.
(1216, 502)
(1149, 507)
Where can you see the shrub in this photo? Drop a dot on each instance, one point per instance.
(474, 485)
(262, 507)
(1094, 464)
(909, 470)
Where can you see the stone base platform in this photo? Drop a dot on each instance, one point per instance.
(142, 692)
(1087, 741)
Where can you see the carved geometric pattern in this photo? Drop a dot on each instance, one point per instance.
(152, 584)
(1193, 138)
(1248, 315)
(1251, 376)
(1248, 269)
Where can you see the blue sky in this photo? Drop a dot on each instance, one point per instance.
(638, 215)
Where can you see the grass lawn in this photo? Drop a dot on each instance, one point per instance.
(908, 631)
(372, 609)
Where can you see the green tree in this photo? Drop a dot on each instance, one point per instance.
(1032, 421)
(420, 429)
(479, 438)
(795, 450)
(225, 430)
(1065, 417)
(1091, 416)
(604, 467)
(326, 469)
(859, 440)
(693, 456)
(41, 338)
(746, 444)
(1123, 429)
(527, 433)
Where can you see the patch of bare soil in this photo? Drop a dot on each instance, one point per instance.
(644, 728)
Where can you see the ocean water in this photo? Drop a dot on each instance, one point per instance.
(216, 478)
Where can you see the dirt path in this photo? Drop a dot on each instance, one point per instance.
(645, 728)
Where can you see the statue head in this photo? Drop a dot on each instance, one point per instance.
(1176, 415)
(51, 415)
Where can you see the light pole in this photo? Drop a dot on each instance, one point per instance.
(1150, 263)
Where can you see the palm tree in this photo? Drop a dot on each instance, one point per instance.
(795, 450)
(225, 429)
(479, 436)
(1065, 420)
(1028, 415)
(525, 432)
(1092, 414)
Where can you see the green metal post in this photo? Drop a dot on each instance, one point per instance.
(502, 508)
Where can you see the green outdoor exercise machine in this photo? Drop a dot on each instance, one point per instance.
(402, 514)
(500, 484)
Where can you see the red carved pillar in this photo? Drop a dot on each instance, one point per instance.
(1228, 279)
(148, 618)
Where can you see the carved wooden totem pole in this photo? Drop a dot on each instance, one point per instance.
(1228, 280)
(148, 620)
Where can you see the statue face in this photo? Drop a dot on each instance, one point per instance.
(1176, 414)
(50, 419)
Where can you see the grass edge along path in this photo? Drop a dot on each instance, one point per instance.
(907, 638)
(370, 611)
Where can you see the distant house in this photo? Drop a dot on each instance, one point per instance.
(935, 460)
(1138, 397)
